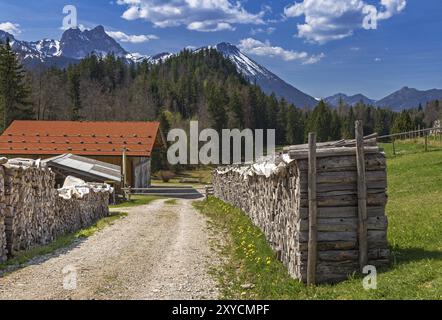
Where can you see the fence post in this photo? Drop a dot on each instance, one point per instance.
(362, 196)
(313, 210)
(426, 142)
(394, 147)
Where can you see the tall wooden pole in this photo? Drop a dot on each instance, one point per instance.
(426, 142)
(394, 147)
(313, 211)
(362, 196)
(124, 167)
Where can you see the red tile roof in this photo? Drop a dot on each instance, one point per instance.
(80, 138)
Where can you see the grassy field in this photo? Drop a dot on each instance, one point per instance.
(417, 145)
(62, 241)
(415, 234)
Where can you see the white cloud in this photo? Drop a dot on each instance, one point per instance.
(268, 31)
(198, 15)
(314, 58)
(377, 59)
(12, 28)
(327, 20)
(123, 37)
(209, 26)
(259, 48)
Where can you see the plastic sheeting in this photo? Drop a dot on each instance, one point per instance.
(76, 188)
(266, 166)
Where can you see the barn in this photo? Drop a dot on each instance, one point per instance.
(130, 145)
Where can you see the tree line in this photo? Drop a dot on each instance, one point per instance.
(203, 86)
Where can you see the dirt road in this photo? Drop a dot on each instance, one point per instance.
(159, 251)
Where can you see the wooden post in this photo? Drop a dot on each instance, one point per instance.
(394, 148)
(426, 142)
(362, 196)
(124, 168)
(313, 211)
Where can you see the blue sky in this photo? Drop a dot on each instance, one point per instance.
(322, 47)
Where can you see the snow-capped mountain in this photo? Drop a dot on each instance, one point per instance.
(77, 44)
(256, 74)
(73, 46)
(348, 100)
(268, 81)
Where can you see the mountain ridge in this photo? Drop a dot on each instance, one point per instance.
(402, 99)
(349, 100)
(76, 44)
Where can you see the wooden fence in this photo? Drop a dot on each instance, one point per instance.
(430, 137)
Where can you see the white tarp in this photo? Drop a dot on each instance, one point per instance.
(266, 166)
(77, 188)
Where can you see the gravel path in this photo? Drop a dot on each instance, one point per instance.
(158, 251)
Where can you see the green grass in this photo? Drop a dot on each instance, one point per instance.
(63, 241)
(135, 201)
(415, 235)
(171, 202)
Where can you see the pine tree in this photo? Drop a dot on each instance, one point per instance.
(74, 93)
(403, 123)
(14, 94)
(320, 121)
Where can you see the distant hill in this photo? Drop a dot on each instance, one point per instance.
(349, 100)
(407, 98)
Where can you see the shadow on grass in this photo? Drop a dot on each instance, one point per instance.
(406, 255)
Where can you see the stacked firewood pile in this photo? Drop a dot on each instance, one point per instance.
(3, 251)
(274, 193)
(77, 213)
(34, 213)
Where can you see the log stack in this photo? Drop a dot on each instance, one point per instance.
(32, 211)
(3, 251)
(278, 204)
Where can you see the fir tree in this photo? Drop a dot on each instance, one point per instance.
(14, 94)
(74, 93)
(320, 121)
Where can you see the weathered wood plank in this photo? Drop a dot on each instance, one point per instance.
(322, 153)
(345, 224)
(342, 212)
(313, 211)
(362, 196)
